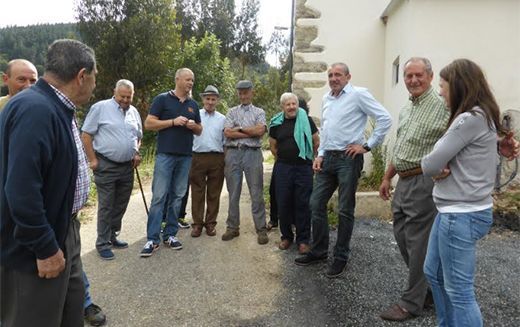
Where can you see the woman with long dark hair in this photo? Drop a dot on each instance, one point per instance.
(463, 165)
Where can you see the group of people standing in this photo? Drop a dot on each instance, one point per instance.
(444, 155)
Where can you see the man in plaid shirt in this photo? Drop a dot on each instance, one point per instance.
(422, 121)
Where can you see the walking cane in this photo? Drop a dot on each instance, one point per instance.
(141, 187)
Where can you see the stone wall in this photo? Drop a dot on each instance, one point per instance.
(304, 35)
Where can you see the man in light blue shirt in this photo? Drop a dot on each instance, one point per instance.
(345, 111)
(207, 165)
(112, 133)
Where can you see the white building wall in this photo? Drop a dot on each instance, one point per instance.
(398, 44)
(487, 32)
(351, 32)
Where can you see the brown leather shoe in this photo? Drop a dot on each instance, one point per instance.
(303, 248)
(395, 313)
(230, 234)
(284, 244)
(196, 230)
(211, 231)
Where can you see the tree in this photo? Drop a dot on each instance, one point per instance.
(279, 46)
(248, 44)
(133, 39)
(222, 16)
(31, 42)
(268, 89)
(198, 17)
(186, 18)
(203, 58)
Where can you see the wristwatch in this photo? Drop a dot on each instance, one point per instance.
(366, 147)
(240, 129)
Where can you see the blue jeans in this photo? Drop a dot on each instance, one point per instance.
(450, 265)
(337, 171)
(88, 300)
(170, 179)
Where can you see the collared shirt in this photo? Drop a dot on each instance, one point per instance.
(83, 179)
(212, 137)
(344, 118)
(116, 131)
(422, 121)
(245, 116)
(175, 140)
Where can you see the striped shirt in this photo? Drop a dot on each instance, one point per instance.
(83, 180)
(422, 122)
(245, 116)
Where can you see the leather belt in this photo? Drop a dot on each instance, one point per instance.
(336, 152)
(242, 147)
(209, 152)
(410, 172)
(112, 161)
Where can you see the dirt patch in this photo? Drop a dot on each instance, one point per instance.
(506, 211)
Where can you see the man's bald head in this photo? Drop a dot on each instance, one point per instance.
(19, 75)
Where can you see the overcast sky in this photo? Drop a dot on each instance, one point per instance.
(28, 12)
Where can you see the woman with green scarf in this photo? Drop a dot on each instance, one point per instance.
(294, 139)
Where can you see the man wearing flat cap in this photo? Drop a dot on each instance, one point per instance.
(244, 127)
(207, 165)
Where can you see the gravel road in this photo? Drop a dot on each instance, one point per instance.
(240, 283)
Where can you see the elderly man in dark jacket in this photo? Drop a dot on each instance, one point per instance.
(44, 183)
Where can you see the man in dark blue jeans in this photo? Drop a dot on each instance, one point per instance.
(175, 115)
(345, 110)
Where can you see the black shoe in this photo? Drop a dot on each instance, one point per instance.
(94, 315)
(309, 259)
(106, 254)
(428, 301)
(183, 223)
(117, 244)
(337, 268)
(271, 225)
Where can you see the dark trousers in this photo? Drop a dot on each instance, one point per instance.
(114, 183)
(273, 205)
(206, 180)
(293, 192)
(338, 171)
(414, 213)
(184, 203)
(28, 300)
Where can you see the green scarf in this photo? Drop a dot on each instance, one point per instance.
(302, 132)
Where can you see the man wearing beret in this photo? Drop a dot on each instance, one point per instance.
(244, 127)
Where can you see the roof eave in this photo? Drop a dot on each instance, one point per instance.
(389, 9)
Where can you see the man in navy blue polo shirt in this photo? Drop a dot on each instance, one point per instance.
(175, 115)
